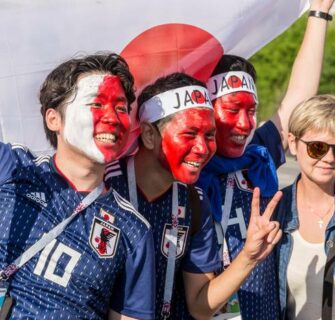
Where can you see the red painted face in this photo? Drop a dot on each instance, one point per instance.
(188, 142)
(111, 121)
(235, 119)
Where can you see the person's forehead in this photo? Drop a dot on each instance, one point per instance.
(316, 134)
(239, 96)
(93, 79)
(239, 99)
(94, 84)
(192, 116)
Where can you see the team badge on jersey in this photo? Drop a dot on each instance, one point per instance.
(181, 241)
(104, 238)
(243, 182)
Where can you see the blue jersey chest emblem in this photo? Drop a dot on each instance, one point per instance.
(181, 240)
(104, 238)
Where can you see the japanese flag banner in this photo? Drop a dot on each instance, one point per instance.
(155, 37)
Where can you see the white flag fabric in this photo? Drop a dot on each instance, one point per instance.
(155, 37)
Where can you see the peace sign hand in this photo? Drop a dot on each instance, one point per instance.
(262, 234)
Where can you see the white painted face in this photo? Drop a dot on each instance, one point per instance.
(96, 118)
(76, 116)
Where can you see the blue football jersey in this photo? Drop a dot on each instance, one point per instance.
(74, 276)
(195, 253)
(258, 296)
(268, 136)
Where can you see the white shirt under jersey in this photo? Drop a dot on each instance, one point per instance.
(305, 279)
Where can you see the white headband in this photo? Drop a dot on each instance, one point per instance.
(232, 81)
(172, 101)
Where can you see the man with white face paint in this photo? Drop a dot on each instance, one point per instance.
(96, 139)
(67, 241)
(238, 167)
(177, 140)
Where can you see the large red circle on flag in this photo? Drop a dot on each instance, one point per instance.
(165, 49)
(173, 47)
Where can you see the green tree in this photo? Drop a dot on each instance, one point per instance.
(273, 64)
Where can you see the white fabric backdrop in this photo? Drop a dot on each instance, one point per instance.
(36, 35)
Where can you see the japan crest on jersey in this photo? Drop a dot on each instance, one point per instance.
(181, 241)
(242, 181)
(104, 238)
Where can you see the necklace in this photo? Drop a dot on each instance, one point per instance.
(321, 217)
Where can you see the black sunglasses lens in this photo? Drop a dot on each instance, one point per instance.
(317, 149)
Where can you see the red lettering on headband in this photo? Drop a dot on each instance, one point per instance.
(198, 97)
(234, 82)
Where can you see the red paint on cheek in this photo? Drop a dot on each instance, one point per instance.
(188, 142)
(108, 117)
(235, 120)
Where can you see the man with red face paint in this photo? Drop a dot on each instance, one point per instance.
(177, 140)
(66, 241)
(247, 157)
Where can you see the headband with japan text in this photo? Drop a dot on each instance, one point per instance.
(172, 101)
(232, 81)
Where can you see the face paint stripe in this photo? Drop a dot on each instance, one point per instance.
(85, 118)
(78, 130)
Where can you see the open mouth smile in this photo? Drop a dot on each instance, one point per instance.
(193, 164)
(106, 137)
(239, 139)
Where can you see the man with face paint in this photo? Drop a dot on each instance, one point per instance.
(177, 140)
(67, 241)
(239, 166)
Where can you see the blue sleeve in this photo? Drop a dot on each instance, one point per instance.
(7, 162)
(134, 292)
(203, 255)
(268, 136)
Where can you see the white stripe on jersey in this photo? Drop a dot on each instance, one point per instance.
(115, 165)
(112, 174)
(19, 146)
(43, 158)
(123, 203)
(200, 192)
(113, 169)
(38, 160)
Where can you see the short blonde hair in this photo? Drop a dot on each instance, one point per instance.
(316, 113)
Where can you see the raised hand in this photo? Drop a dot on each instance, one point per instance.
(322, 5)
(262, 234)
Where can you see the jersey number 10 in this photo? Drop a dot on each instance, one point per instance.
(50, 258)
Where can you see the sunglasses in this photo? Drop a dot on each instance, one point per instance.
(318, 149)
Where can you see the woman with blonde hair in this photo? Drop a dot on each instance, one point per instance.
(306, 212)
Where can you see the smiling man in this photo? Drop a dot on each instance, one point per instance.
(247, 156)
(177, 140)
(66, 240)
(104, 130)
